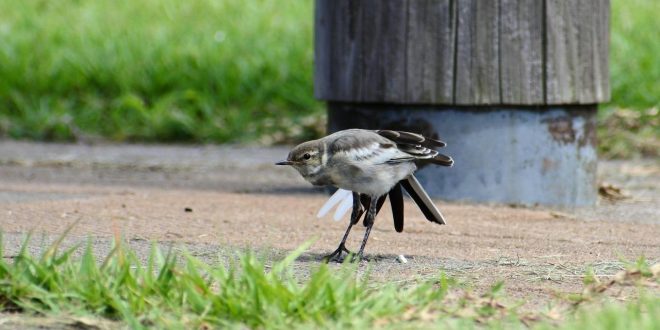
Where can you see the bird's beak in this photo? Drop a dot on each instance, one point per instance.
(285, 162)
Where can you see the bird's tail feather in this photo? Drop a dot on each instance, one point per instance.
(401, 137)
(443, 160)
(422, 199)
(396, 202)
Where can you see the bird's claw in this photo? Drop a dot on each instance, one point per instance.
(336, 255)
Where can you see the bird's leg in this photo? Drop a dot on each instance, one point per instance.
(355, 215)
(369, 220)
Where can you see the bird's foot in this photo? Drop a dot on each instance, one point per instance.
(336, 255)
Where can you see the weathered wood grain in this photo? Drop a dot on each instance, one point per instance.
(562, 58)
(430, 51)
(521, 52)
(346, 59)
(324, 19)
(577, 51)
(601, 51)
(336, 49)
(477, 78)
(462, 52)
(349, 55)
(383, 37)
(587, 40)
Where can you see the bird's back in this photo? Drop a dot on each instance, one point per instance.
(365, 162)
(360, 145)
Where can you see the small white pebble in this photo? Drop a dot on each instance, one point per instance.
(402, 259)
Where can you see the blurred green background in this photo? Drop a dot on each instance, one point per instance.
(230, 71)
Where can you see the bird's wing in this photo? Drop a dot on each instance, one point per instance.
(401, 137)
(334, 200)
(342, 199)
(417, 146)
(343, 207)
(363, 146)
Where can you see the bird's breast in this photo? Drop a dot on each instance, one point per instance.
(319, 179)
(370, 179)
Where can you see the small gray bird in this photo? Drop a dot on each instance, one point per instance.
(373, 165)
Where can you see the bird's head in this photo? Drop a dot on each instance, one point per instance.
(306, 158)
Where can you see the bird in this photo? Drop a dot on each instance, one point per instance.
(372, 164)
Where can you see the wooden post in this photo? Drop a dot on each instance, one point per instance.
(514, 80)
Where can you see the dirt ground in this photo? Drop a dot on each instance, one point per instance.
(237, 199)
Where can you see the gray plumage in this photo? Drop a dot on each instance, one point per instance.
(371, 163)
(363, 161)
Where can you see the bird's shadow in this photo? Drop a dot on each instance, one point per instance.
(316, 257)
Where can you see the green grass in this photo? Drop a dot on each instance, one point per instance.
(628, 133)
(641, 314)
(170, 291)
(629, 126)
(635, 54)
(154, 70)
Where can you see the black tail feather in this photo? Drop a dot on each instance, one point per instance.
(435, 143)
(401, 137)
(422, 199)
(396, 202)
(443, 160)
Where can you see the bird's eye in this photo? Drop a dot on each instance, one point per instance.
(307, 156)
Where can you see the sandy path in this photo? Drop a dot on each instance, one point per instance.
(142, 193)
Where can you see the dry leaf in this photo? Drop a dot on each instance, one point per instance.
(611, 192)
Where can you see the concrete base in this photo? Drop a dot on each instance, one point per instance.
(512, 154)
